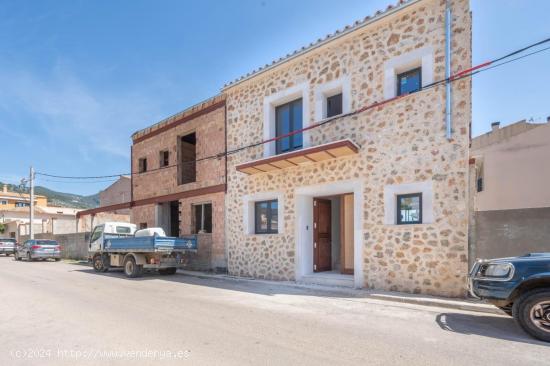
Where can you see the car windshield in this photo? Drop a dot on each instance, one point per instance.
(46, 242)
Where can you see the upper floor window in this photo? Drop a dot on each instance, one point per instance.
(409, 81)
(164, 158)
(187, 155)
(288, 118)
(334, 105)
(409, 208)
(203, 218)
(142, 165)
(22, 204)
(266, 217)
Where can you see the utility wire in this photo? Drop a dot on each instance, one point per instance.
(453, 78)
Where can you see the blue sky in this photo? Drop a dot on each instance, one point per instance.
(77, 78)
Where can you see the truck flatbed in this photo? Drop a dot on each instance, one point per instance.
(151, 244)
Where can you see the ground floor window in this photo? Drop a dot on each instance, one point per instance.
(266, 217)
(142, 225)
(409, 208)
(203, 218)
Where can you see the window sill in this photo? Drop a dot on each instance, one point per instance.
(409, 225)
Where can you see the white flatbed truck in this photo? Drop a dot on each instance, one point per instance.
(119, 245)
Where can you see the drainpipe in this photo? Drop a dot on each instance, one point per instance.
(448, 20)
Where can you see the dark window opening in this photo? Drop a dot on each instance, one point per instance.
(266, 217)
(187, 155)
(142, 225)
(409, 209)
(334, 105)
(164, 158)
(174, 218)
(479, 184)
(203, 218)
(288, 118)
(142, 165)
(409, 81)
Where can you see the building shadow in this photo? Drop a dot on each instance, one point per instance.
(229, 283)
(492, 326)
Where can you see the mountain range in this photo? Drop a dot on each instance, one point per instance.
(63, 199)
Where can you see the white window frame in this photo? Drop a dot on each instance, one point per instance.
(390, 201)
(422, 57)
(249, 217)
(273, 101)
(329, 89)
(3, 202)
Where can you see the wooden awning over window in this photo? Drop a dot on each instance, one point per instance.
(308, 155)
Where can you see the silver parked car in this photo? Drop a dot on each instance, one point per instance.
(7, 246)
(38, 249)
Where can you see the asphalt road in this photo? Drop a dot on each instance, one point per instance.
(66, 314)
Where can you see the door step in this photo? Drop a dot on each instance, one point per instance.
(328, 279)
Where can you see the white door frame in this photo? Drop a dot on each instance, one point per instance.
(304, 225)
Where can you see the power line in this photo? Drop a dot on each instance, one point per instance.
(485, 66)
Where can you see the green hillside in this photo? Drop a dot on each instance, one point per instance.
(62, 199)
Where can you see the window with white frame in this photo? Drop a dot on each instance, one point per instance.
(410, 203)
(332, 98)
(263, 213)
(286, 110)
(3, 202)
(409, 72)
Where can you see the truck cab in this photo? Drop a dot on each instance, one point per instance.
(109, 230)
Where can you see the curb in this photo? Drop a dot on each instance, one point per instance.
(423, 300)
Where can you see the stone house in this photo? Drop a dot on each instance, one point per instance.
(509, 195)
(369, 198)
(178, 179)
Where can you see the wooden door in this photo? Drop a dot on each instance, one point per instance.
(322, 235)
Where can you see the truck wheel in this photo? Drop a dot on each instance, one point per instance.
(16, 257)
(167, 271)
(131, 269)
(532, 313)
(29, 257)
(97, 262)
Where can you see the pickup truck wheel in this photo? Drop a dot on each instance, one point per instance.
(131, 269)
(532, 313)
(167, 271)
(507, 310)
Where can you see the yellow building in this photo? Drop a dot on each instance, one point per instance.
(10, 200)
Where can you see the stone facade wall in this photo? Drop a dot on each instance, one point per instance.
(209, 128)
(402, 142)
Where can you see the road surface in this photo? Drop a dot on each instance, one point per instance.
(66, 314)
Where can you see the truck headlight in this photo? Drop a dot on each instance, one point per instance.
(499, 270)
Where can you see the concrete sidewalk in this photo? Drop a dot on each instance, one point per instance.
(358, 294)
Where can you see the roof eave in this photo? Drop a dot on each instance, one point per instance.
(321, 43)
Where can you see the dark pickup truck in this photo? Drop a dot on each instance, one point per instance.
(519, 286)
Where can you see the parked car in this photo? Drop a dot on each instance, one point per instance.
(519, 286)
(38, 249)
(7, 246)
